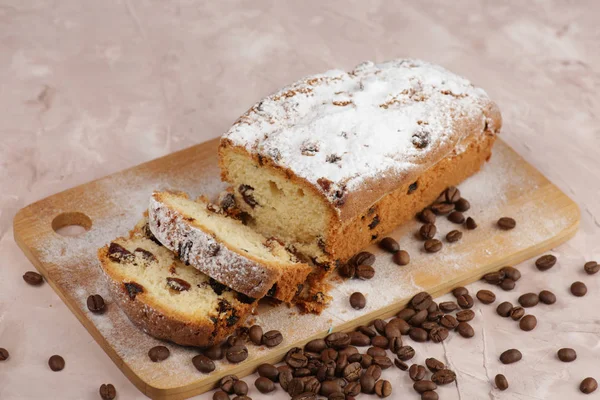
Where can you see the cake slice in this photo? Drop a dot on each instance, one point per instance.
(166, 298)
(224, 248)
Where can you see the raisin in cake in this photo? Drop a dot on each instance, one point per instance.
(335, 161)
(166, 298)
(224, 248)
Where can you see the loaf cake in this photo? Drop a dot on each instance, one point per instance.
(205, 237)
(166, 298)
(335, 161)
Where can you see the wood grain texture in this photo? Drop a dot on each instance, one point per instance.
(107, 203)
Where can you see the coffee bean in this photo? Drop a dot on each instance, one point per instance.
(507, 284)
(401, 365)
(404, 326)
(465, 330)
(395, 344)
(95, 303)
(471, 224)
(486, 296)
(107, 391)
(215, 352)
(158, 353)
(567, 355)
(367, 384)
(236, 354)
(234, 340)
(358, 301)
(438, 334)
(255, 333)
(433, 307)
(363, 258)
(285, 377)
(433, 246)
(462, 205)
(405, 353)
(401, 257)
(465, 301)
(347, 270)
(547, 297)
(220, 395)
(242, 398)
(511, 273)
(272, 338)
(588, 385)
(517, 313)
(429, 395)
(383, 388)
(352, 389)
(591, 267)
(329, 355)
(418, 335)
(359, 339)
(389, 244)
(428, 231)
(501, 382)
(529, 300)
(457, 217)
(296, 386)
(336, 396)
(348, 351)
(376, 352)
(442, 208)
(435, 316)
(465, 315)
(443, 377)
(429, 325)
(370, 332)
(434, 365)
(418, 318)
(268, 371)
(416, 372)
(305, 396)
(421, 301)
(295, 358)
(33, 278)
(352, 372)
(448, 322)
(452, 194)
(380, 325)
(4, 354)
(338, 340)
(56, 363)
(494, 278)
(203, 364)
(427, 216)
(240, 388)
(316, 345)
(460, 291)
(578, 289)
(365, 272)
(506, 223)
(454, 236)
(340, 364)
(226, 383)
(448, 306)
(546, 262)
(504, 309)
(264, 385)
(380, 341)
(510, 356)
(528, 323)
(424, 386)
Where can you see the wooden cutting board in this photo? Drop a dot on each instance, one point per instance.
(109, 207)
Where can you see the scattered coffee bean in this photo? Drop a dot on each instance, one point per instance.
(316, 345)
(359, 339)
(203, 364)
(406, 314)
(33, 278)
(268, 371)
(107, 391)
(363, 258)
(347, 270)
(421, 301)
(511, 273)
(338, 340)
(4, 354)
(405, 353)
(226, 383)
(465, 315)
(460, 291)
(418, 335)
(494, 278)
(517, 313)
(358, 301)
(591, 267)
(242, 398)
(352, 372)
(451, 194)
(528, 323)
(236, 354)
(375, 371)
(158, 353)
(428, 231)
(95, 303)
(546, 262)
(433, 246)
(336, 396)
(401, 257)
(588, 385)
(264, 385)
(438, 334)
(448, 322)
(529, 300)
(454, 236)
(220, 395)
(416, 372)
(389, 244)
(471, 224)
(567, 355)
(255, 333)
(462, 205)
(365, 330)
(296, 386)
(56, 363)
(510, 356)
(295, 358)
(352, 389)
(465, 301)
(382, 361)
(400, 364)
(504, 309)
(418, 318)
(383, 388)
(240, 388)
(380, 341)
(215, 352)
(285, 377)
(443, 377)
(427, 216)
(465, 330)
(234, 340)
(395, 344)
(272, 338)
(367, 384)
(457, 217)
(429, 325)
(578, 289)
(547, 297)
(365, 272)
(429, 395)
(501, 382)
(507, 284)
(448, 306)
(506, 223)
(305, 396)
(486, 296)
(434, 365)
(424, 386)
(442, 208)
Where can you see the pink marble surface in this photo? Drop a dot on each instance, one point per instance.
(89, 88)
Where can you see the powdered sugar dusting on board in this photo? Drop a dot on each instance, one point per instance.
(379, 120)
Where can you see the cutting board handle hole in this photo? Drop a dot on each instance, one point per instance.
(71, 224)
